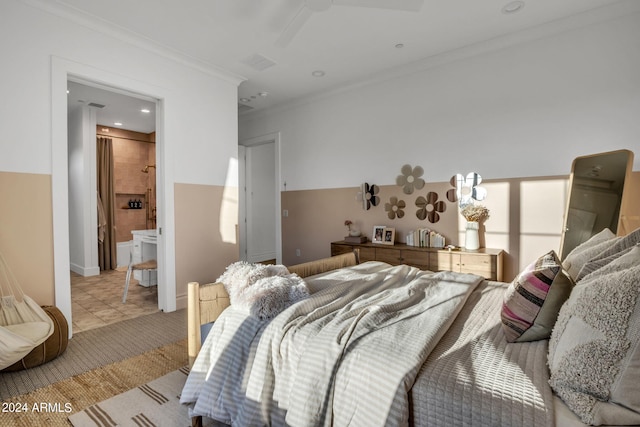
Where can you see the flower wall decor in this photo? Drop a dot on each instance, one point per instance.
(410, 178)
(394, 208)
(369, 195)
(429, 207)
(467, 189)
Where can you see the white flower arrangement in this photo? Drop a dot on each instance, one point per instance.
(475, 213)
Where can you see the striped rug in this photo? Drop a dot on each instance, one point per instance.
(54, 404)
(156, 403)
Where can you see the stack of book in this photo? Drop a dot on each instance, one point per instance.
(355, 239)
(425, 238)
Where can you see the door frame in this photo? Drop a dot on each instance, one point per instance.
(61, 71)
(242, 206)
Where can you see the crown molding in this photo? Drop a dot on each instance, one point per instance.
(96, 23)
(584, 19)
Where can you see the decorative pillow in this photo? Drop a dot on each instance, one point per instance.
(594, 350)
(619, 248)
(270, 296)
(582, 253)
(262, 290)
(533, 300)
(239, 276)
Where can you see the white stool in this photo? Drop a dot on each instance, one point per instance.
(149, 265)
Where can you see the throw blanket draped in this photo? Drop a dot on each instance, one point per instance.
(347, 355)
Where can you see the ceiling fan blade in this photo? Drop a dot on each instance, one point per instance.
(294, 26)
(408, 5)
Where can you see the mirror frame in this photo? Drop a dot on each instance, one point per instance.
(623, 201)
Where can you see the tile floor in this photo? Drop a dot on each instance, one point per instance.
(97, 300)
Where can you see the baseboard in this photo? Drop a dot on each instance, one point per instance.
(259, 257)
(85, 271)
(181, 301)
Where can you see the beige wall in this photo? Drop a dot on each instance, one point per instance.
(526, 218)
(26, 232)
(203, 246)
(204, 222)
(206, 236)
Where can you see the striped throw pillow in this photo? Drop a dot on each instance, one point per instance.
(533, 300)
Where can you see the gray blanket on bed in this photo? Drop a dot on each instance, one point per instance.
(347, 355)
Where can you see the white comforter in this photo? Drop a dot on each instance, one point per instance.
(346, 356)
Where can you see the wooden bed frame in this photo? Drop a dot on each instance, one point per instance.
(207, 301)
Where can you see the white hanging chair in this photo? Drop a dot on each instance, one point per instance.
(23, 323)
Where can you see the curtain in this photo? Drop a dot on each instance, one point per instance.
(106, 206)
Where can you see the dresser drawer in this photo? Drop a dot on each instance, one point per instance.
(484, 266)
(415, 259)
(337, 249)
(388, 255)
(367, 254)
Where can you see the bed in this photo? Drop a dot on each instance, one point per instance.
(375, 344)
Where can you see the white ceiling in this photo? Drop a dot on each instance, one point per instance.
(118, 107)
(350, 44)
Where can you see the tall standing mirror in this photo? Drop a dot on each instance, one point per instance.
(596, 196)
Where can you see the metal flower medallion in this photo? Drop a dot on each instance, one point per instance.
(410, 179)
(394, 208)
(429, 207)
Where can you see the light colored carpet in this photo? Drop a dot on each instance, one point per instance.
(52, 405)
(98, 347)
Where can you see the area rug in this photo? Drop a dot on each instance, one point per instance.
(156, 403)
(53, 404)
(91, 349)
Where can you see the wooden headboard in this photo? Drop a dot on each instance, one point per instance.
(207, 301)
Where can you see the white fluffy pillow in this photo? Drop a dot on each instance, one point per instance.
(262, 290)
(270, 296)
(594, 350)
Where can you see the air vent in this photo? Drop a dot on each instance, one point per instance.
(258, 62)
(244, 108)
(95, 104)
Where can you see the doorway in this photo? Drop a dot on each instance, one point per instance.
(260, 221)
(101, 245)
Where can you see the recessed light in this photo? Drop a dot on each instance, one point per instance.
(145, 110)
(245, 100)
(513, 7)
(118, 124)
(399, 45)
(263, 94)
(318, 73)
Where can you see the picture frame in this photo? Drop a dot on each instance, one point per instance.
(378, 234)
(389, 236)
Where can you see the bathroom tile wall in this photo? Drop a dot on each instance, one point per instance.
(132, 151)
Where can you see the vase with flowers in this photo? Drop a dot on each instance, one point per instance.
(474, 214)
(352, 231)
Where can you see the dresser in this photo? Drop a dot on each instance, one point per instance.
(484, 262)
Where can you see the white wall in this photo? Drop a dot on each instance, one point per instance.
(195, 97)
(520, 111)
(41, 47)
